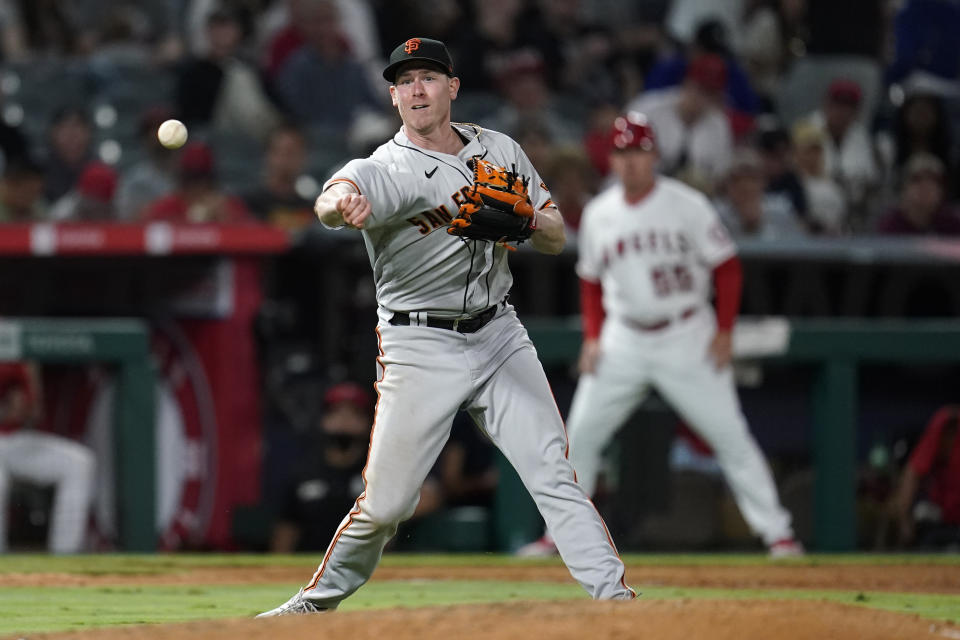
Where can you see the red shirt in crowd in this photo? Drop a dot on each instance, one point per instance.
(945, 222)
(939, 468)
(175, 208)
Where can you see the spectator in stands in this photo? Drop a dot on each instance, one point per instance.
(827, 208)
(636, 31)
(598, 141)
(69, 149)
(154, 176)
(579, 54)
(122, 39)
(329, 478)
(91, 199)
(572, 183)
(771, 36)
(496, 35)
(42, 458)
(280, 31)
(921, 124)
(46, 28)
(927, 503)
(693, 134)
(276, 200)
(195, 19)
(749, 212)
(21, 192)
(682, 18)
(304, 83)
(923, 207)
(850, 156)
(221, 90)
(535, 140)
(522, 82)
(776, 150)
(199, 197)
(710, 38)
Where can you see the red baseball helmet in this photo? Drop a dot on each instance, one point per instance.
(633, 131)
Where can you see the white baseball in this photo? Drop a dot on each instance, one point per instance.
(172, 134)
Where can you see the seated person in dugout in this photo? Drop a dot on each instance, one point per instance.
(329, 476)
(927, 503)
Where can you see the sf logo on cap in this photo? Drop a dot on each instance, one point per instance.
(412, 45)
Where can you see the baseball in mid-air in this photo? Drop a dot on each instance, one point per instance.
(172, 134)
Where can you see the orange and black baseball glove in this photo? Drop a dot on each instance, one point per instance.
(498, 207)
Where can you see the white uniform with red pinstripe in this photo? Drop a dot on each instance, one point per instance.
(654, 259)
(650, 249)
(426, 374)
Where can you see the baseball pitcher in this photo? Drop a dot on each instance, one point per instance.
(438, 206)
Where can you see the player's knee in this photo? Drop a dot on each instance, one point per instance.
(387, 513)
(737, 451)
(80, 465)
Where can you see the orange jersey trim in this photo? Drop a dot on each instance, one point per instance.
(348, 181)
(363, 474)
(566, 454)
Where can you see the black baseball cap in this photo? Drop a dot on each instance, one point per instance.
(424, 49)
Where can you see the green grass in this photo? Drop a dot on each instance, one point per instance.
(44, 609)
(132, 564)
(32, 610)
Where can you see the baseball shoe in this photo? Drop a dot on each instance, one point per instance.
(297, 605)
(786, 548)
(540, 548)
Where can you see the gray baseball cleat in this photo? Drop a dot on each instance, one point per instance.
(297, 605)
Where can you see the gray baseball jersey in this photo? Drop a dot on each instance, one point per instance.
(429, 371)
(414, 193)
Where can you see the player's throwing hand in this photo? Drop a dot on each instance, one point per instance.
(354, 208)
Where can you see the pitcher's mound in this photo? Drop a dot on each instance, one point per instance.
(573, 620)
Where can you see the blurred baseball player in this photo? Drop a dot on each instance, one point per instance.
(42, 458)
(650, 248)
(447, 336)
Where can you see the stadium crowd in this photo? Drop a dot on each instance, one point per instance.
(795, 120)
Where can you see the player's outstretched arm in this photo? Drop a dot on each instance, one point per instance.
(341, 204)
(550, 235)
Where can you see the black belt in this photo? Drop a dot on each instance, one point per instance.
(659, 324)
(463, 325)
